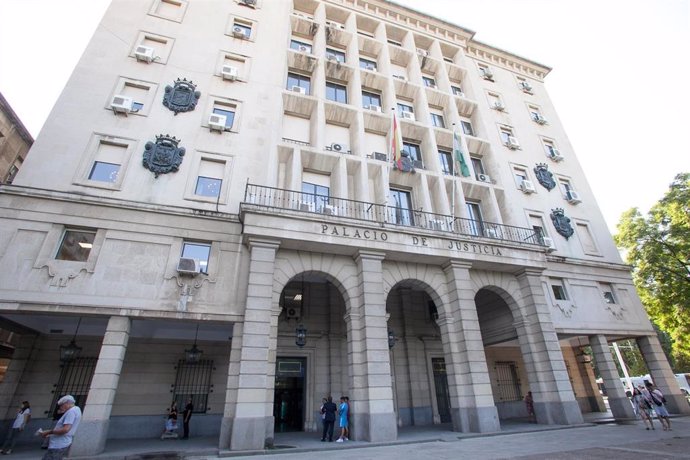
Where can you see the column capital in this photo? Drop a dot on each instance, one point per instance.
(530, 271)
(456, 264)
(370, 255)
(262, 243)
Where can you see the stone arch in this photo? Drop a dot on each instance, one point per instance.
(418, 276)
(504, 285)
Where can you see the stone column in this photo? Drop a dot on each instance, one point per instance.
(662, 374)
(373, 416)
(248, 415)
(23, 344)
(554, 399)
(93, 428)
(618, 401)
(472, 402)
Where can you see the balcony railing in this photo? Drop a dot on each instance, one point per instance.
(384, 215)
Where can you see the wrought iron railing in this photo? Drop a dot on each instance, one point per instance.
(382, 214)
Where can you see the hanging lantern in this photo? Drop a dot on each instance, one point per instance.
(391, 338)
(193, 355)
(71, 351)
(300, 336)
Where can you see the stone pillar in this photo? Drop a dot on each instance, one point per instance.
(24, 345)
(619, 403)
(662, 374)
(373, 416)
(248, 416)
(93, 428)
(554, 399)
(472, 402)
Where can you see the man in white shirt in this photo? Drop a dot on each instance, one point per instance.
(61, 436)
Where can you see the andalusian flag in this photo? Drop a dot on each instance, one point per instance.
(396, 142)
(459, 157)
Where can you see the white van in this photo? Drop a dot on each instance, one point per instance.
(643, 379)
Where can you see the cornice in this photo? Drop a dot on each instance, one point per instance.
(498, 57)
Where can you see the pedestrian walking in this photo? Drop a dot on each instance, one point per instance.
(659, 406)
(343, 414)
(529, 404)
(186, 416)
(328, 410)
(60, 437)
(20, 421)
(643, 407)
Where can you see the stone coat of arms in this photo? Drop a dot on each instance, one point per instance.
(182, 96)
(562, 223)
(164, 155)
(544, 176)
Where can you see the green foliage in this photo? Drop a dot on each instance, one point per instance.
(658, 248)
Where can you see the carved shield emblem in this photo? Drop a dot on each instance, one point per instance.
(406, 162)
(544, 176)
(562, 223)
(181, 97)
(164, 155)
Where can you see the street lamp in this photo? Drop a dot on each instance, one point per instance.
(70, 352)
(300, 336)
(194, 354)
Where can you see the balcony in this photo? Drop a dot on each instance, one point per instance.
(275, 200)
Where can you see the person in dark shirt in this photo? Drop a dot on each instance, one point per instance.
(186, 415)
(328, 410)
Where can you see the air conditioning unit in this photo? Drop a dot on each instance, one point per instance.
(122, 104)
(342, 148)
(526, 87)
(484, 178)
(512, 143)
(548, 242)
(229, 72)
(371, 67)
(573, 197)
(217, 122)
(330, 210)
(400, 77)
(487, 74)
(250, 3)
(436, 224)
(380, 156)
(304, 49)
(299, 89)
(408, 115)
(188, 266)
(144, 53)
(374, 108)
(306, 206)
(527, 186)
(539, 119)
(239, 32)
(498, 105)
(293, 312)
(331, 57)
(555, 155)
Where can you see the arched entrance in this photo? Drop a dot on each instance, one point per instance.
(420, 383)
(311, 352)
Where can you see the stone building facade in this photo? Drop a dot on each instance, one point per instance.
(15, 142)
(216, 176)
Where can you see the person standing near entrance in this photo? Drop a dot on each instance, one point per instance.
(62, 435)
(529, 404)
(659, 407)
(22, 418)
(343, 413)
(186, 415)
(328, 410)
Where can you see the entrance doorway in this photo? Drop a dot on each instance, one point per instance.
(441, 386)
(288, 397)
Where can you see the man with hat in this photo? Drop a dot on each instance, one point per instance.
(61, 436)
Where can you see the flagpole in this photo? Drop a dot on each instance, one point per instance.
(452, 198)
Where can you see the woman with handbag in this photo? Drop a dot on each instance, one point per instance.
(644, 408)
(658, 399)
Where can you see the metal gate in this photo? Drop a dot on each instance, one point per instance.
(193, 380)
(507, 381)
(75, 379)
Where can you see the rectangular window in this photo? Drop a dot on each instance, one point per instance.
(295, 80)
(485, 72)
(335, 55)
(104, 172)
(477, 165)
(367, 64)
(495, 102)
(193, 381)
(520, 176)
(558, 290)
(199, 251)
(400, 207)
(210, 178)
(467, 127)
(369, 99)
(446, 159)
(413, 150)
(607, 292)
(537, 224)
(317, 194)
(507, 381)
(336, 92)
(75, 379)
(437, 120)
(457, 91)
(76, 245)
(429, 82)
(302, 47)
(506, 134)
(474, 214)
(242, 29)
(227, 111)
(404, 108)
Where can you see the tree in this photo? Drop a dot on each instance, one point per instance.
(658, 248)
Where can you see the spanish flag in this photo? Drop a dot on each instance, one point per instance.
(396, 142)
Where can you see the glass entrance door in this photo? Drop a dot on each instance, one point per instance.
(441, 386)
(288, 396)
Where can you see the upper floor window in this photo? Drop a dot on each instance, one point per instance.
(536, 116)
(76, 245)
(413, 150)
(457, 90)
(437, 120)
(227, 111)
(474, 214)
(335, 55)
(104, 172)
(336, 92)
(607, 292)
(520, 176)
(485, 72)
(242, 29)
(558, 289)
(296, 80)
(400, 207)
(210, 178)
(551, 150)
(199, 251)
(446, 159)
(367, 64)
(370, 99)
(524, 85)
(316, 195)
(303, 47)
(477, 165)
(429, 82)
(467, 127)
(495, 102)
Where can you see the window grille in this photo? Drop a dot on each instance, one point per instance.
(75, 379)
(507, 381)
(193, 380)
